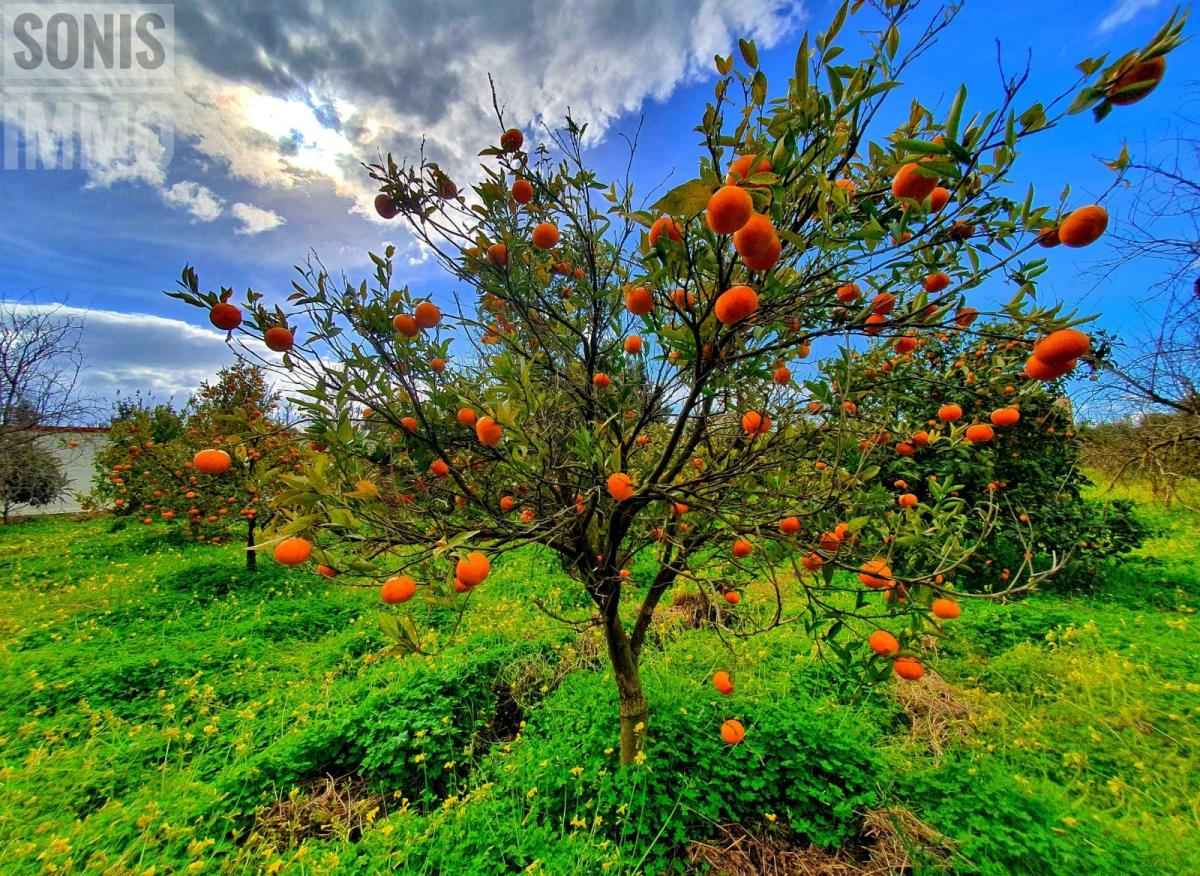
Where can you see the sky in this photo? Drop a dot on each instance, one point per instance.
(272, 106)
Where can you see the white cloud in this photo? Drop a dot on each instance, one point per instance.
(255, 220)
(201, 201)
(1123, 13)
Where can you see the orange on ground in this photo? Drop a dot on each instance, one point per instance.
(733, 732)
(722, 682)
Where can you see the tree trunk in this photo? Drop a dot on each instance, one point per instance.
(634, 710)
(251, 554)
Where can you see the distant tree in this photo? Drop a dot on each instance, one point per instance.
(29, 475)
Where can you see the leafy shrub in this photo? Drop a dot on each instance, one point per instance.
(29, 475)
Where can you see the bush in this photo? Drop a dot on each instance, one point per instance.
(29, 475)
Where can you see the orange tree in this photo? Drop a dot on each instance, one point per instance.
(1018, 461)
(150, 468)
(621, 381)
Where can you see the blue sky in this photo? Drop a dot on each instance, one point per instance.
(273, 110)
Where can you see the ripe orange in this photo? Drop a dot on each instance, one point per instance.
(849, 293)
(936, 282)
(427, 314)
(733, 597)
(620, 486)
(908, 668)
(908, 183)
(965, 317)
(1039, 370)
(875, 574)
(488, 431)
(938, 199)
(467, 417)
(326, 571)
(639, 301)
(883, 303)
(507, 503)
(601, 380)
(385, 206)
(664, 224)
(980, 433)
(633, 345)
(1062, 346)
(1005, 416)
(439, 468)
(905, 344)
(883, 642)
(757, 243)
(782, 376)
(545, 236)
(212, 461)
(473, 569)
(1048, 237)
(293, 551)
(398, 589)
(733, 732)
(789, 525)
(734, 305)
(511, 140)
(742, 548)
(681, 298)
(874, 324)
(729, 209)
(406, 324)
(904, 448)
(1145, 76)
(522, 191)
(497, 254)
(410, 424)
(907, 500)
(754, 423)
(438, 364)
(947, 609)
(739, 169)
(278, 339)
(1083, 226)
(722, 682)
(950, 413)
(225, 316)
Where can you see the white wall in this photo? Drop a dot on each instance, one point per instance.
(76, 462)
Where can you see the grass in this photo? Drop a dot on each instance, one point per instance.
(163, 711)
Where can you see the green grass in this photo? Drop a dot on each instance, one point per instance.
(160, 708)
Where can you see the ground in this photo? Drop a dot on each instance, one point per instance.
(163, 711)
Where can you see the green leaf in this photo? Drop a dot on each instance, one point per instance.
(686, 201)
(955, 116)
(749, 52)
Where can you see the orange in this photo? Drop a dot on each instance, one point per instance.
(729, 209)
(497, 254)
(936, 282)
(938, 199)
(488, 431)
(620, 486)
(813, 562)
(736, 304)
(545, 235)
(874, 324)
(212, 461)
(1005, 416)
(511, 140)
(742, 548)
(664, 224)
(904, 448)
(682, 298)
(883, 642)
(733, 597)
(733, 732)
(1048, 237)
(439, 468)
(905, 344)
(507, 503)
(849, 293)
(739, 170)
(427, 314)
(326, 571)
(1145, 76)
(397, 590)
(293, 551)
(1083, 226)
(874, 573)
(601, 380)
(633, 345)
(782, 375)
(467, 417)
(757, 243)
(950, 413)
(278, 339)
(385, 206)
(789, 525)
(980, 433)
(754, 423)
(473, 569)
(907, 500)
(908, 183)
(1039, 370)
(848, 186)
(437, 363)
(639, 301)
(406, 324)
(965, 317)
(722, 683)
(410, 424)
(522, 191)
(908, 668)
(883, 303)
(1062, 346)
(947, 609)
(225, 316)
